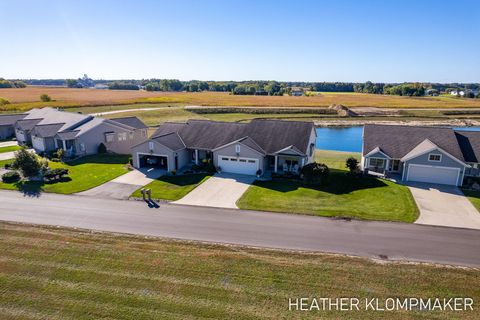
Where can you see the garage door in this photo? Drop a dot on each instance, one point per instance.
(433, 174)
(238, 165)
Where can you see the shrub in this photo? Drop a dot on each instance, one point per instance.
(26, 162)
(174, 172)
(45, 98)
(196, 168)
(259, 172)
(11, 177)
(130, 161)
(7, 166)
(102, 148)
(4, 101)
(352, 165)
(55, 174)
(60, 153)
(314, 173)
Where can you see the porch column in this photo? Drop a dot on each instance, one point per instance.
(387, 165)
(196, 157)
(303, 162)
(276, 164)
(64, 145)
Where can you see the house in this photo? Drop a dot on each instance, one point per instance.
(244, 148)
(48, 129)
(297, 91)
(423, 154)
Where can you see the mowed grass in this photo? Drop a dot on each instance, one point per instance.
(9, 149)
(340, 196)
(173, 187)
(53, 273)
(83, 174)
(473, 196)
(27, 98)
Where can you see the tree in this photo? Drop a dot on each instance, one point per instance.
(26, 162)
(45, 98)
(314, 173)
(352, 164)
(102, 148)
(73, 83)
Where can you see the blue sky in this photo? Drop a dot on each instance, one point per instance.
(383, 41)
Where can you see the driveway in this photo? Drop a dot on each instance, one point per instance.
(123, 186)
(220, 191)
(8, 144)
(443, 205)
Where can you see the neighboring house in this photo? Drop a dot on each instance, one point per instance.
(7, 122)
(423, 154)
(250, 148)
(49, 129)
(296, 91)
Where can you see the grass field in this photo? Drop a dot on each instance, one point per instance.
(340, 196)
(83, 174)
(52, 273)
(9, 149)
(27, 98)
(173, 187)
(474, 197)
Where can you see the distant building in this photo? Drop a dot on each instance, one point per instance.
(297, 91)
(101, 86)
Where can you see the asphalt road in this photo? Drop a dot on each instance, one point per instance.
(395, 241)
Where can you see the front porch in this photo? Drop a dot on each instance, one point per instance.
(68, 146)
(285, 164)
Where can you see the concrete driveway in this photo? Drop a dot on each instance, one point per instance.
(8, 144)
(123, 186)
(444, 205)
(220, 191)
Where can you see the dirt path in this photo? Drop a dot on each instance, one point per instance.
(123, 110)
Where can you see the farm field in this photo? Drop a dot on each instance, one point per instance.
(55, 273)
(27, 98)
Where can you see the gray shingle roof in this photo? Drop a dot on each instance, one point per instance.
(10, 119)
(171, 141)
(469, 142)
(46, 130)
(397, 141)
(266, 136)
(67, 135)
(26, 125)
(133, 122)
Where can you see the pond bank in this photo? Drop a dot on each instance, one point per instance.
(413, 122)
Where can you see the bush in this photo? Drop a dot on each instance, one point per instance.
(60, 153)
(26, 162)
(11, 177)
(173, 172)
(102, 148)
(7, 166)
(55, 174)
(259, 172)
(352, 165)
(314, 173)
(45, 98)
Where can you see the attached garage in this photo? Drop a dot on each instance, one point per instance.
(238, 165)
(433, 174)
(152, 161)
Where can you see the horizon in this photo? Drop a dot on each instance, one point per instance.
(217, 41)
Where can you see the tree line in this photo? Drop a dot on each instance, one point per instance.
(11, 83)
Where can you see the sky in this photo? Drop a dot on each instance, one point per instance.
(352, 41)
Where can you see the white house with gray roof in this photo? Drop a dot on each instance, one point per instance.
(422, 154)
(244, 148)
(49, 129)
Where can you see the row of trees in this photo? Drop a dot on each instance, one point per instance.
(11, 83)
(404, 89)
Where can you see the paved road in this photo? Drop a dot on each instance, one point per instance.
(443, 205)
(98, 114)
(397, 241)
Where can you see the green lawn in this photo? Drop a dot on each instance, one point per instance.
(56, 273)
(9, 149)
(341, 195)
(473, 196)
(173, 187)
(85, 173)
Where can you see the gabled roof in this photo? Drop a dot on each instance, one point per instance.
(27, 124)
(265, 136)
(49, 115)
(171, 141)
(133, 122)
(67, 135)
(398, 141)
(10, 119)
(469, 142)
(46, 130)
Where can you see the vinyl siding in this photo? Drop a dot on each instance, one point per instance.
(245, 152)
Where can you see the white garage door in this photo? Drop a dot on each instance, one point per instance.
(433, 174)
(238, 165)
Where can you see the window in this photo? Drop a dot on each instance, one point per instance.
(109, 137)
(434, 157)
(312, 147)
(237, 148)
(82, 147)
(122, 136)
(144, 133)
(251, 161)
(233, 159)
(130, 135)
(377, 162)
(243, 160)
(150, 146)
(225, 159)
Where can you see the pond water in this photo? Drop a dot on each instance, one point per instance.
(348, 138)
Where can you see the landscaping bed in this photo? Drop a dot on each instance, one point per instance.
(173, 187)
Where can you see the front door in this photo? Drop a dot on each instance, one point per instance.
(395, 165)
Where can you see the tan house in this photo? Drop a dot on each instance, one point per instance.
(245, 148)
